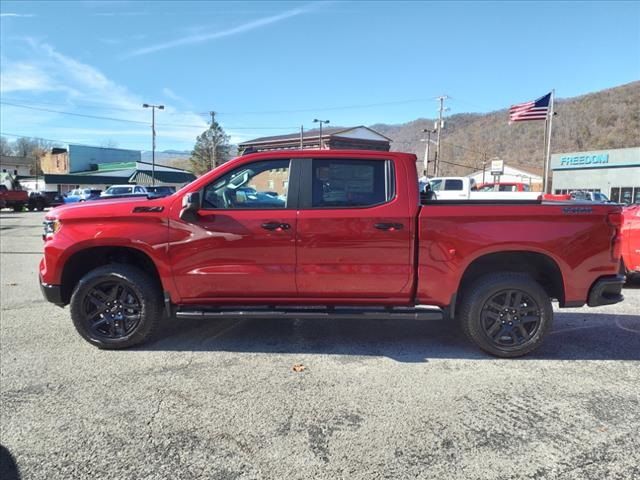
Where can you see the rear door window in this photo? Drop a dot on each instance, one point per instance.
(345, 183)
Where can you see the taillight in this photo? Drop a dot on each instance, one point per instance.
(615, 219)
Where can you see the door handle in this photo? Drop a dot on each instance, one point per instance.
(276, 226)
(389, 226)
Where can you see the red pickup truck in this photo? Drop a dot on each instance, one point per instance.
(631, 240)
(346, 234)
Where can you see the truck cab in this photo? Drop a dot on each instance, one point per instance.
(452, 188)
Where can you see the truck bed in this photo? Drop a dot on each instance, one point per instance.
(452, 235)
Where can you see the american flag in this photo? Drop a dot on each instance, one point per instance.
(535, 110)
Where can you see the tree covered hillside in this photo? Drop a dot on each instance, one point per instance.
(601, 120)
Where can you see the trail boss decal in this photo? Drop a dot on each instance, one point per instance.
(576, 210)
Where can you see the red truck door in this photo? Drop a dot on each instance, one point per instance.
(354, 231)
(242, 242)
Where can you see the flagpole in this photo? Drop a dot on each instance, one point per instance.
(547, 160)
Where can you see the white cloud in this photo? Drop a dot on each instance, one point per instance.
(83, 86)
(17, 15)
(167, 92)
(21, 76)
(111, 41)
(204, 37)
(119, 14)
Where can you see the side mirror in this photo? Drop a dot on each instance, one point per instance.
(190, 206)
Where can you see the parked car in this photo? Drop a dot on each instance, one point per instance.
(352, 240)
(631, 240)
(161, 190)
(11, 193)
(465, 188)
(589, 196)
(452, 188)
(82, 195)
(41, 200)
(124, 191)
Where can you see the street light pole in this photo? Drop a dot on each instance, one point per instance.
(153, 139)
(315, 120)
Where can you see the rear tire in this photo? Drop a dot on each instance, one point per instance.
(505, 314)
(116, 306)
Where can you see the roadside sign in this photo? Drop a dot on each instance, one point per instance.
(497, 167)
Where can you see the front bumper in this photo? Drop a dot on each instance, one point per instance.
(606, 291)
(52, 293)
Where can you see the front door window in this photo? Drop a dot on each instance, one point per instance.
(258, 186)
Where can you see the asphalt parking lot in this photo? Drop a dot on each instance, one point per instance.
(377, 399)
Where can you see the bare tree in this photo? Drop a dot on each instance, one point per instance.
(5, 147)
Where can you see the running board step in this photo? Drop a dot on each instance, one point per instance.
(342, 313)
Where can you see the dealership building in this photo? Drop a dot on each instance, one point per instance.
(614, 172)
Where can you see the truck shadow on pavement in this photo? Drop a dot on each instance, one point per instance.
(8, 466)
(575, 336)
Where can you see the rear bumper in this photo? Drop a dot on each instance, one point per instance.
(52, 293)
(606, 291)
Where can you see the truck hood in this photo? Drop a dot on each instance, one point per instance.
(106, 208)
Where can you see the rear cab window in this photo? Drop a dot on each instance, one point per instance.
(351, 183)
(453, 184)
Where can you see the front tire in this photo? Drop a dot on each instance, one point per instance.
(506, 314)
(116, 306)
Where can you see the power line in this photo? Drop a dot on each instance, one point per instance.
(125, 120)
(257, 112)
(74, 114)
(324, 109)
(97, 106)
(45, 139)
(459, 165)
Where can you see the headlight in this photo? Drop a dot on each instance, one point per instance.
(50, 228)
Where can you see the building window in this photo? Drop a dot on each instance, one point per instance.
(615, 194)
(626, 195)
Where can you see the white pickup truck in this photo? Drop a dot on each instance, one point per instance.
(464, 188)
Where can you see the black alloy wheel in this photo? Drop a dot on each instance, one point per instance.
(116, 306)
(510, 318)
(112, 309)
(506, 314)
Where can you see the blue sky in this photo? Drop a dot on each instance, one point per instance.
(268, 67)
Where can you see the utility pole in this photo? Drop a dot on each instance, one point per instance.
(153, 138)
(214, 158)
(315, 120)
(36, 168)
(301, 136)
(427, 149)
(439, 126)
(484, 165)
